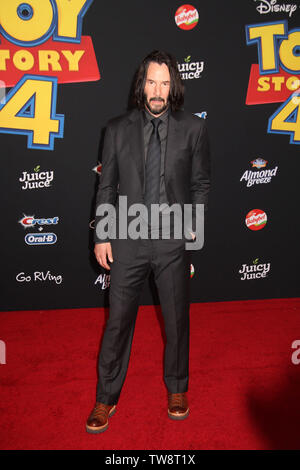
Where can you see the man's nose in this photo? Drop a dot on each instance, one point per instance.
(157, 89)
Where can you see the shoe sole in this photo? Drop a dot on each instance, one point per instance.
(93, 430)
(177, 416)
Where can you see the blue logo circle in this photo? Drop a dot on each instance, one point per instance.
(25, 11)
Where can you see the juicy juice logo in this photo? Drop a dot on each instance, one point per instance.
(40, 46)
(36, 180)
(255, 270)
(276, 78)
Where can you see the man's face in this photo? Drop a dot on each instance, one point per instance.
(157, 88)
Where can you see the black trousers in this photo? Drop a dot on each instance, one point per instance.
(171, 266)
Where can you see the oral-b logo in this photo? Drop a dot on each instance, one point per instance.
(40, 238)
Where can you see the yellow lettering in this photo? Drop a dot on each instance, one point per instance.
(43, 123)
(278, 81)
(263, 84)
(68, 11)
(267, 34)
(30, 29)
(293, 83)
(23, 60)
(4, 55)
(280, 123)
(73, 59)
(47, 58)
(287, 57)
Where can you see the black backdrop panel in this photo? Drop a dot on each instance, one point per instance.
(236, 262)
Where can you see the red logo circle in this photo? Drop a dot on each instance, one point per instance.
(256, 219)
(192, 271)
(186, 17)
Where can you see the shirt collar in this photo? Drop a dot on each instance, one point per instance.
(148, 117)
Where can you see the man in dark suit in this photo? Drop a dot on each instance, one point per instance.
(154, 155)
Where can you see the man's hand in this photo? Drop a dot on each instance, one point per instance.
(103, 252)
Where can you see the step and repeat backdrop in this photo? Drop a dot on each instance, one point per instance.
(66, 68)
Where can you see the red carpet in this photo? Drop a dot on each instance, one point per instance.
(244, 390)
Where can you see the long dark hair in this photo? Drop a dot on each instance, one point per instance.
(176, 97)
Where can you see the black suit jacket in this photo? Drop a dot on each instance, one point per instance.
(187, 165)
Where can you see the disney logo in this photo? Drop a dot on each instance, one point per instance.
(271, 6)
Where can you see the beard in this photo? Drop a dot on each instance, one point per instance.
(157, 108)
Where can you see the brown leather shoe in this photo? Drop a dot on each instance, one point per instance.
(177, 406)
(98, 420)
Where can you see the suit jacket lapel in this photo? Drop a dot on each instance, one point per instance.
(172, 143)
(137, 146)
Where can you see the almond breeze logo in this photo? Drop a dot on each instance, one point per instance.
(260, 175)
(202, 115)
(103, 281)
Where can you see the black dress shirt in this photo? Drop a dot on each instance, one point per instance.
(163, 134)
(161, 229)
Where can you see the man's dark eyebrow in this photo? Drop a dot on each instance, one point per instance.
(152, 80)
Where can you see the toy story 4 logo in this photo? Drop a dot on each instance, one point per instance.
(41, 45)
(276, 78)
